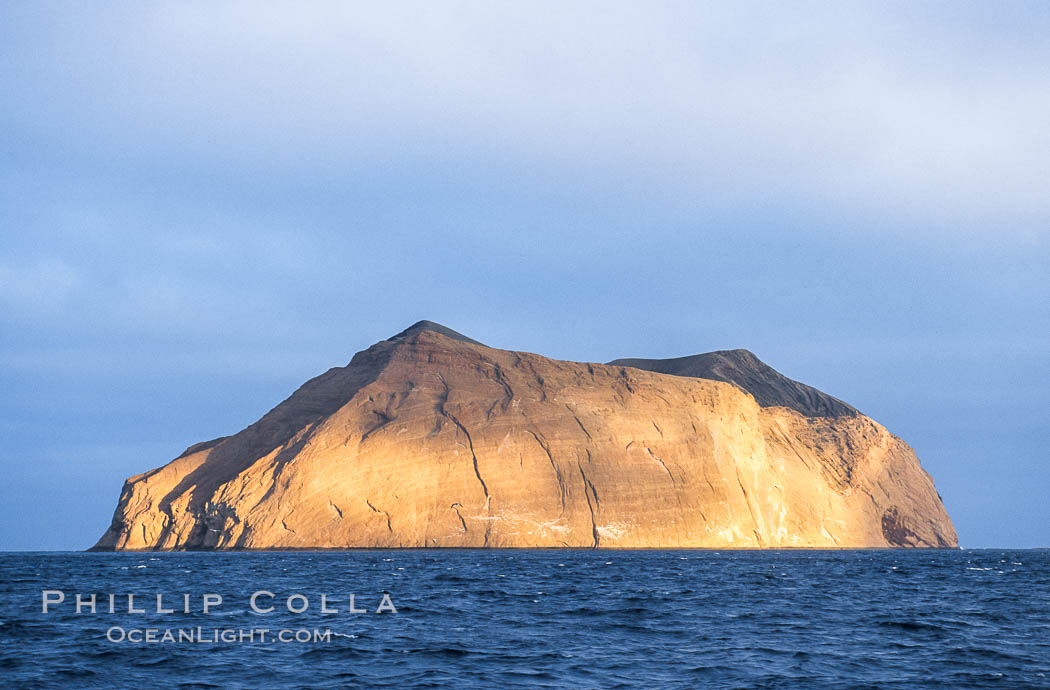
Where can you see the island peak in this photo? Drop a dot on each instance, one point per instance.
(434, 327)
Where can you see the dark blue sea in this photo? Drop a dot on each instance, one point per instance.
(650, 619)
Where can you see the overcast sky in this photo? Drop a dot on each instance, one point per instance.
(201, 208)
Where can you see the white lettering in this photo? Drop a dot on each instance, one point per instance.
(132, 609)
(160, 604)
(212, 600)
(386, 605)
(297, 597)
(82, 602)
(48, 598)
(353, 609)
(255, 597)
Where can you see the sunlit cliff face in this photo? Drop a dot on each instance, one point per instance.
(430, 439)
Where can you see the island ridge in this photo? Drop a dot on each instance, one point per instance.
(431, 439)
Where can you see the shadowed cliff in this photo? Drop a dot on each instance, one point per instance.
(768, 386)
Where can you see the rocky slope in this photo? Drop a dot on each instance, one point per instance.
(431, 439)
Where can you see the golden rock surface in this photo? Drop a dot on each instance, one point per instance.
(429, 439)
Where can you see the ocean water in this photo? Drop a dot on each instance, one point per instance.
(550, 618)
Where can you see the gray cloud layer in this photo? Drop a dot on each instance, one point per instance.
(205, 206)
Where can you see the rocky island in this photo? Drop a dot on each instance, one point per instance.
(431, 439)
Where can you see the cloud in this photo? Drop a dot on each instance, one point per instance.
(932, 117)
(39, 287)
(205, 204)
(213, 171)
